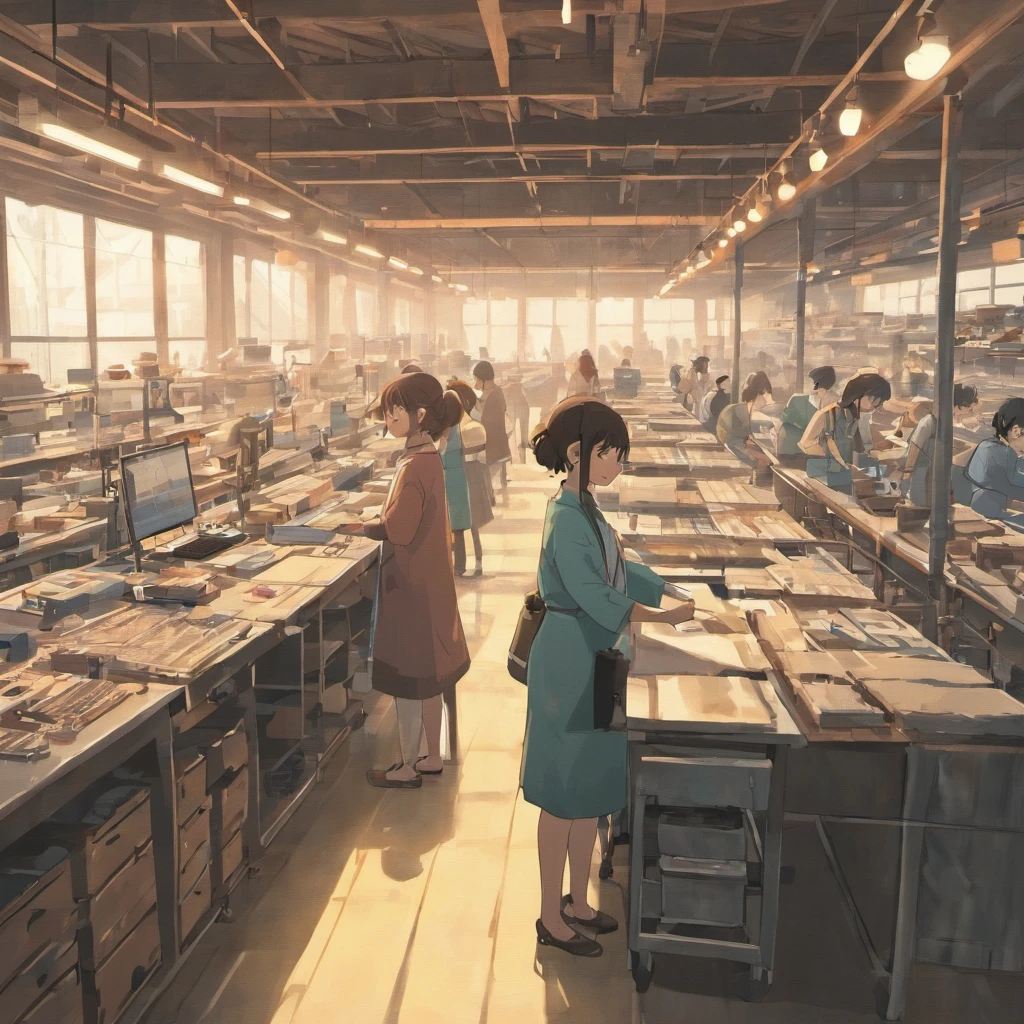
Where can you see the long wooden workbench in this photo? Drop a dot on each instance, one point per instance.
(907, 775)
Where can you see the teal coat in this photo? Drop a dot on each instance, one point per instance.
(795, 419)
(456, 488)
(570, 769)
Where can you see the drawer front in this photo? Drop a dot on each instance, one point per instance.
(707, 901)
(126, 970)
(191, 872)
(230, 803)
(48, 966)
(110, 848)
(227, 861)
(191, 788)
(228, 754)
(61, 1005)
(119, 906)
(688, 836)
(194, 833)
(42, 919)
(707, 781)
(194, 905)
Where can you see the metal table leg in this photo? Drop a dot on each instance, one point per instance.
(911, 848)
(772, 860)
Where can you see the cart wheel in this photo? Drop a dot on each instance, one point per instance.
(606, 870)
(753, 986)
(359, 720)
(642, 966)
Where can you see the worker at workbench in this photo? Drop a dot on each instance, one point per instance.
(996, 469)
(917, 466)
(574, 772)
(833, 435)
(798, 413)
(735, 422)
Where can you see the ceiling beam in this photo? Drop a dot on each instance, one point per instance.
(728, 133)
(490, 15)
(362, 178)
(554, 221)
(203, 86)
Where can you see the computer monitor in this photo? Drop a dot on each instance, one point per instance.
(156, 486)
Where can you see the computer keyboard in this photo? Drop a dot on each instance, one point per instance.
(203, 547)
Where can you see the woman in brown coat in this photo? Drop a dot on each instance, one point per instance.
(419, 648)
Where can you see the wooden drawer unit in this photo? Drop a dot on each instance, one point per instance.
(703, 892)
(189, 781)
(110, 915)
(49, 965)
(194, 833)
(230, 798)
(112, 986)
(61, 1004)
(194, 904)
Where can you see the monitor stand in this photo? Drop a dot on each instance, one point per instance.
(137, 554)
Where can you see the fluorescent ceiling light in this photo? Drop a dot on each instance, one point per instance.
(397, 263)
(566, 12)
(436, 279)
(330, 236)
(240, 200)
(180, 177)
(279, 214)
(76, 140)
(462, 288)
(367, 250)
(665, 288)
(416, 271)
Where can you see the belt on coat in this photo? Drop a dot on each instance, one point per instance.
(577, 612)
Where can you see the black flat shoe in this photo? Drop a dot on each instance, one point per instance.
(422, 772)
(578, 945)
(601, 922)
(379, 777)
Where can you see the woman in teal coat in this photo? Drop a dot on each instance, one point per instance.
(799, 411)
(572, 771)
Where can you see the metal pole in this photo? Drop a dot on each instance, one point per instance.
(949, 239)
(805, 253)
(737, 323)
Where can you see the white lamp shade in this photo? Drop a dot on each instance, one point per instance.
(849, 121)
(928, 59)
(817, 160)
(786, 191)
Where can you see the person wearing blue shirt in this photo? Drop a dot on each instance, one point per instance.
(996, 470)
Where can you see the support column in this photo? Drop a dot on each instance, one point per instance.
(221, 332)
(348, 311)
(383, 303)
(737, 319)
(5, 290)
(638, 325)
(805, 254)
(592, 325)
(160, 322)
(321, 319)
(521, 332)
(89, 242)
(949, 239)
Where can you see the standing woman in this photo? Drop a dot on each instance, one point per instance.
(573, 772)
(584, 380)
(696, 384)
(419, 648)
(492, 416)
(472, 445)
(834, 435)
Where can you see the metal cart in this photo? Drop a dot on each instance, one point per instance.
(706, 822)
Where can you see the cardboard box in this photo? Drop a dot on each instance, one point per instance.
(230, 798)
(194, 833)
(195, 903)
(189, 781)
(52, 962)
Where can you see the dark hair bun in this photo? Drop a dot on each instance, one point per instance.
(453, 408)
(545, 451)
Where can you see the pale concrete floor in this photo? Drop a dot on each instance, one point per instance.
(392, 907)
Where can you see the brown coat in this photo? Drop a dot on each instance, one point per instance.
(492, 417)
(419, 648)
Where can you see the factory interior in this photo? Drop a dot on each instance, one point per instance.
(511, 511)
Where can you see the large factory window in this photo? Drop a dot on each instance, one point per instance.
(186, 301)
(46, 270)
(124, 293)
